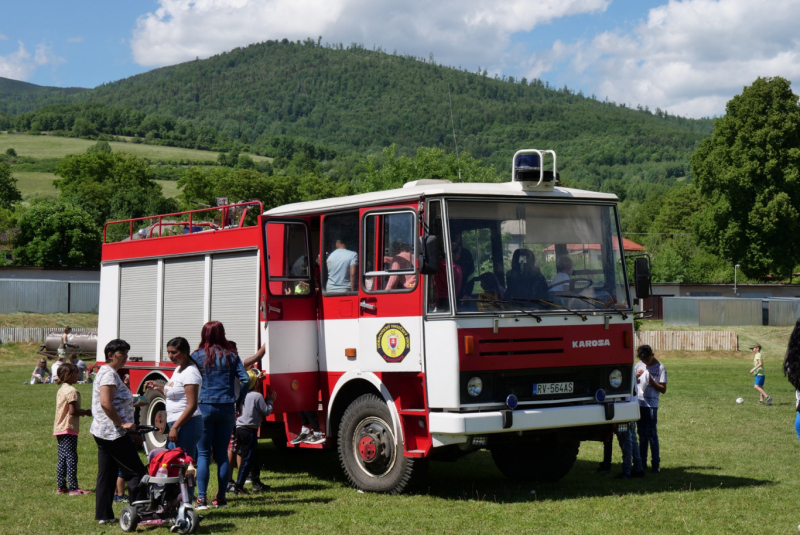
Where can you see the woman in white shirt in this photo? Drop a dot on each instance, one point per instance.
(112, 410)
(184, 419)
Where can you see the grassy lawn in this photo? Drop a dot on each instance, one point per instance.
(58, 147)
(29, 183)
(22, 319)
(725, 468)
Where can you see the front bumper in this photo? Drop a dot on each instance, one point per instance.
(455, 428)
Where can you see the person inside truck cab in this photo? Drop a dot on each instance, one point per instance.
(342, 265)
(525, 280)
(564, 272)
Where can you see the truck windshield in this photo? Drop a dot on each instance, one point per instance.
(534, 256)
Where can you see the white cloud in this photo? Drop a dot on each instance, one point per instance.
(688, 57)
(77, 39)
(20, 65)
(3, 37)
(17, 65)
(458, 32)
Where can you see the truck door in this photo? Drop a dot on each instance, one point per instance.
(289, 313)
(390, 296)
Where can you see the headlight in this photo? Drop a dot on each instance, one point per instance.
(615, 379)
(475, 387)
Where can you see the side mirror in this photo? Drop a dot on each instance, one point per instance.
(429, 255)
(641, 277)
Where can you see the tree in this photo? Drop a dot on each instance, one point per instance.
(57, 234)
(111, 186)
(9, 194)
(749, 173)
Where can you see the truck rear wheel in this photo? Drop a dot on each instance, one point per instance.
(543, 461)
(147, 416)
(370, 453)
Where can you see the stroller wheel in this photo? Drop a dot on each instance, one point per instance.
(190, 523)
(128, 519)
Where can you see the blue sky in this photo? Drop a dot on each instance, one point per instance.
(688, 57)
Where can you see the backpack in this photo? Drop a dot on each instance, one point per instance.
(169, 457)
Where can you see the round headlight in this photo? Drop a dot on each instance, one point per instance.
(615, 379)
(475, 387)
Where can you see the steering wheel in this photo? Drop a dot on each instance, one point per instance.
(572, 282)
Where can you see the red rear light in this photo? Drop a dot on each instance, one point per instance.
(627, 339)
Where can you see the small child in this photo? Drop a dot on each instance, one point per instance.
(65, 429)
(758, 370)
(253, 411)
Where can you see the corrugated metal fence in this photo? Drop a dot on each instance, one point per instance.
(689, 340)
(10, 335)
(48, 297)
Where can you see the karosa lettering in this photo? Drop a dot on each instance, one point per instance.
(591, 343)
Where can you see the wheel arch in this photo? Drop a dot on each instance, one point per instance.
(152, 376)
(351, 386)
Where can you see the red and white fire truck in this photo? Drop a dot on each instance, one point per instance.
(419, 323)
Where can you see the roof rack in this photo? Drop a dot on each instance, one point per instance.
(229, 220)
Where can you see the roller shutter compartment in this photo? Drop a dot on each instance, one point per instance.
(234, 297)
(184, 305)
(137, 308)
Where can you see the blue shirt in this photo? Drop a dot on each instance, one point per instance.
(220, 378)
(339, 262)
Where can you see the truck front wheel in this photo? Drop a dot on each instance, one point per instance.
(156, 402)
(370, 453)
(547, 461)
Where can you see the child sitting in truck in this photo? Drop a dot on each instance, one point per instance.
(253, 411)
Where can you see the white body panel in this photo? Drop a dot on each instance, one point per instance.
(302, 346)
(108, 316)
(441, 364)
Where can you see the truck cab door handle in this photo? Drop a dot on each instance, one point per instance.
(367, 306)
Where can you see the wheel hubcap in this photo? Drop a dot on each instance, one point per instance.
(374, 446)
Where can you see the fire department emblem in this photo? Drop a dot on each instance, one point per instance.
(394, 342)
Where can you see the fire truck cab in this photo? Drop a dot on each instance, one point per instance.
(420, 323)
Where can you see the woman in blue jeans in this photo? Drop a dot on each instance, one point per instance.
(221, 369)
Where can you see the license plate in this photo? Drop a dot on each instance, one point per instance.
(552, 388)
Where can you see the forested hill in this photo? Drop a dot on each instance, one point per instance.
(21, 96)
(359, 101)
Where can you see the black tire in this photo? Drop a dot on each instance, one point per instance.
(147, 416)
(370, 453)
(128, 519)
(544, 461)
(192, 522)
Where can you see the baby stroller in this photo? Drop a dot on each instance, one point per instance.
(168, 501)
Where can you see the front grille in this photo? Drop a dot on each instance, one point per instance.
(586, 380)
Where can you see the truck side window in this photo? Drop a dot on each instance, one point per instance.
(288, 259)
(438, 292)
(339, 250)
(390, 252)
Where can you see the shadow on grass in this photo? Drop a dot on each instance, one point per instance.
(475, 477)
(451, 483)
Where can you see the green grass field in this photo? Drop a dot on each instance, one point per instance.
(726, 468)
(58, 147)
(31, 183)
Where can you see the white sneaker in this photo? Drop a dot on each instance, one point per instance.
(316, 438)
